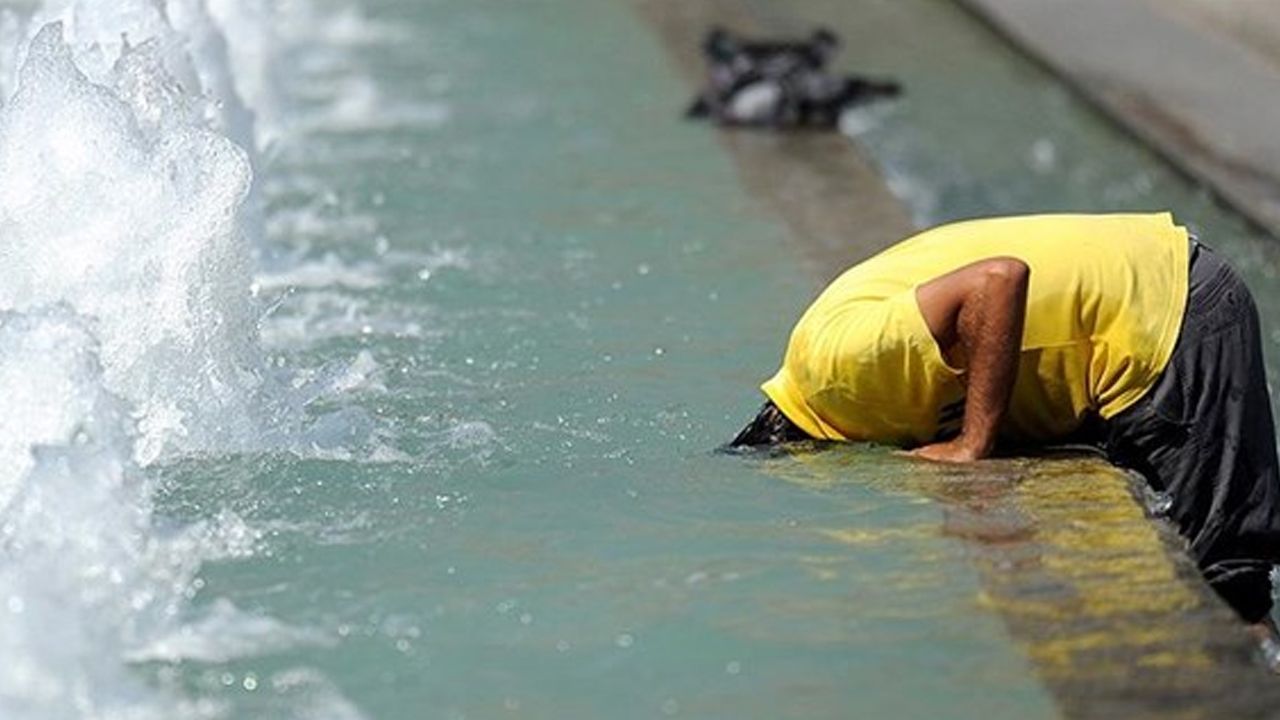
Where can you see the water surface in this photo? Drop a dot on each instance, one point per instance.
(506, 308)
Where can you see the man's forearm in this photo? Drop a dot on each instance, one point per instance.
(976, 312)
(990, 327)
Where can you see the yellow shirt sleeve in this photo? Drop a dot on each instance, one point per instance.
(867, 370)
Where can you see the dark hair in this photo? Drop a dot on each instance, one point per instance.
(769, 427)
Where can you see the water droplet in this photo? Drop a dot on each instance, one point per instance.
(733, 668)
(659, 351)
(250, 683)
(624, 640)
(1271, 654)
(1043, 156)
(642, 269)
(1160, 503)
(16, 605)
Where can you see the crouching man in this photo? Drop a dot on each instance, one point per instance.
(1035, 329)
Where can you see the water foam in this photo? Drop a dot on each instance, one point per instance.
(270, 35)
(126, 212)
(83, 575)
(128, 336)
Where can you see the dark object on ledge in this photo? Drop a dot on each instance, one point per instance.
(779, 84)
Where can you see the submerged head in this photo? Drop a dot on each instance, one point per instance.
(769, 427)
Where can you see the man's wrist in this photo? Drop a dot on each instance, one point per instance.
(978, 447)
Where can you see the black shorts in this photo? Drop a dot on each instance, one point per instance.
(1204, 438)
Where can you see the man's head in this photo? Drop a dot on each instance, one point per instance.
(770, 427)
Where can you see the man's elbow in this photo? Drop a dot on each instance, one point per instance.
(1006, 271)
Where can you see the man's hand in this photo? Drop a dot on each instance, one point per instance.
(976, 313)
(952, 451)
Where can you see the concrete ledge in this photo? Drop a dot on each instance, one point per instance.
(1205, 98)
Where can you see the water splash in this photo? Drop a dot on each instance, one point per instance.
(83, 576)
(128, 337)
(125, 211)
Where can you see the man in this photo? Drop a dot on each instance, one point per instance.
(1035, 329)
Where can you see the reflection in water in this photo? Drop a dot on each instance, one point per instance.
(1111, 612)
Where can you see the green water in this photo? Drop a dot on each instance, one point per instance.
(555, 535)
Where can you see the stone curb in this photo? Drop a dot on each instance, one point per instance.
(1202, 99)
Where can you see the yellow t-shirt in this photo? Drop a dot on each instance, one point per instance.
(1104, 304)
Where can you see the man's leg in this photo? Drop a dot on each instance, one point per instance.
(1205, 437)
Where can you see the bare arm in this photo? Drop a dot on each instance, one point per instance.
(976, 315)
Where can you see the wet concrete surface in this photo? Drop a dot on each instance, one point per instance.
(1198, 81)
(1111, 614)
(1253, 24)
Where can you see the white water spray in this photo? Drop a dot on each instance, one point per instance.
(128, 336)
